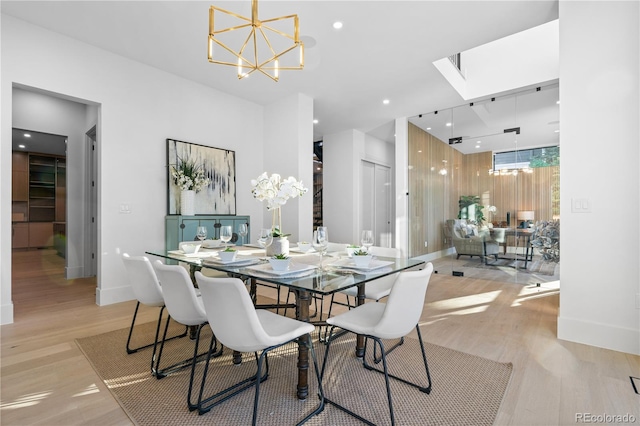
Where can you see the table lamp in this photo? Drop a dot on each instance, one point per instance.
(525, 217)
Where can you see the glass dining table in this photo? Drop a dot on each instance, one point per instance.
(305, 279)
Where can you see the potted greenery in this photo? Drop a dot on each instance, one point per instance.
(279, 262)
(470, 209)
(362, 258)
(228, 254)
(351, 248)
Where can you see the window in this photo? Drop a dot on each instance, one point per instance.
(526, 159)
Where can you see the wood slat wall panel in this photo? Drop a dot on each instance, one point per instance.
(433, 198)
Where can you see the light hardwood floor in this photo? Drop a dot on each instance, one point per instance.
(45, 379)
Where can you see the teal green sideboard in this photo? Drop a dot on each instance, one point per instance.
(183, 228)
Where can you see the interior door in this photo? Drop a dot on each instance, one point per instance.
(375, 202)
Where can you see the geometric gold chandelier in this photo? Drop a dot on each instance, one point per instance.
(255, 50)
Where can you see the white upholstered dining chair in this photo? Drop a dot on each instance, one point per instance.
(239, 326)
(147, 290)
(391, 320)
(185, 307)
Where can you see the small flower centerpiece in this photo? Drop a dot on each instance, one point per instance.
(276, 192)
(228, 254)
(190, 178)
(362, 258)
(279, 262)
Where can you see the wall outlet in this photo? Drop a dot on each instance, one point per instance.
(426, 243)
(125, 209)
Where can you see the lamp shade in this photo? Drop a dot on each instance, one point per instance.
(525, 215)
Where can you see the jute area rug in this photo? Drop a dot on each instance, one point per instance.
(466, 389)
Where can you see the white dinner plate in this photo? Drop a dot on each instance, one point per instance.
(209, 244)
(198, 254)
(348, 263)
(295, 270)
(297, 250)
(236, 262)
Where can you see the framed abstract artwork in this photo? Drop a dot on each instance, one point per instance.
(217, 165)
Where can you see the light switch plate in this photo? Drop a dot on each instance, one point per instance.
(580, 205)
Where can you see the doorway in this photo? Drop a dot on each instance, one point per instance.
(53, 224)
(375, 202)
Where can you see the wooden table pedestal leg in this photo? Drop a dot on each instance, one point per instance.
(360, 337)
(302, 314)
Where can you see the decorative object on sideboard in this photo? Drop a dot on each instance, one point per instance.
(209, 172)
(276, 192)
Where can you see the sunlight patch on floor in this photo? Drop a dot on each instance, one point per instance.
(91, 389)
(127, 380)
(465, 305)
(25, 401)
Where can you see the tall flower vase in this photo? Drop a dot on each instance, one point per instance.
(188, 203)
(278, 246)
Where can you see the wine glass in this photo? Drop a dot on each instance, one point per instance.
(320, 242)
(226, 233)
(201, 233)
(265, 238)
(243, 231)
(367, 239)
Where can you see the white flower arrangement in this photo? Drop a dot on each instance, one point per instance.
(189, 176)
(275, 190)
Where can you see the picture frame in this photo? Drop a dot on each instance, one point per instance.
(219, 166)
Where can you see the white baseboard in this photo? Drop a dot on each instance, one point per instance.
(74, 272)
(600, 335)
(6, 314)
(114, 295)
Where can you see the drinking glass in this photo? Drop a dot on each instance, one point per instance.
(201, 233)
(265, 238)
(243, 231)
(226, 233)
(320, 242)
(367, 239)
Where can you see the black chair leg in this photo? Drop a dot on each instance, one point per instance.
(155, 341)
(385, 371)
(156, 371)
(425, 389)
(377, 359)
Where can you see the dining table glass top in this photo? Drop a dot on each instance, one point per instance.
(338, 270)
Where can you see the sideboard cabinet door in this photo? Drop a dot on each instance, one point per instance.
(183, 228)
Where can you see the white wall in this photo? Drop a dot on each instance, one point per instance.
(43, 113)
(342, 156)
(288, 151)
(140, 107)
(599, 110)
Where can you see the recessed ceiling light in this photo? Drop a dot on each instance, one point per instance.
(479, 142)
(477, 146)
(21, 146)
(557, 131)
(448, 124)
(386, 101)
(27, 135)
(419, 150)
(558, 102)
(315, 121)
(428, 128)
(337, 25)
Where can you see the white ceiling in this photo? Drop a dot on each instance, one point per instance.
(385, 50)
